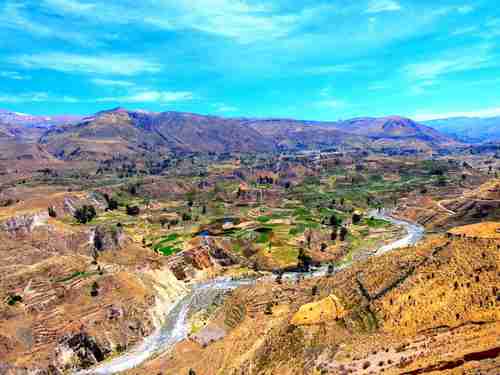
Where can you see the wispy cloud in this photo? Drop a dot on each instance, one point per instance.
(111, 82)
(160, 97)
(13, 75)
(457, 61)
(72, 6)
(225, 108)
(485, 113)
(465, 9)
(375, 86)
(464, 30)
(237, 19)
(118, 64)
(36, 97)
(150, 97)
(329, 69)
(332, 103)
(379, 6)
(14, 16)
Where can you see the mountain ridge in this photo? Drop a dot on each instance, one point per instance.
(128, 132)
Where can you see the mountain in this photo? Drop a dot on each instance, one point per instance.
(16, 118)
(469, 129)
(123, 132)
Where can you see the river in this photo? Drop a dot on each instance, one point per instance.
(175, 328)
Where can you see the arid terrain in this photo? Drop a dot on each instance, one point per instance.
(240, 246)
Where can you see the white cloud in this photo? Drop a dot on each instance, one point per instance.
(465, 30)
(329, 69)
(236, 19)
(485, 113)
(13, 16)
(103, 64)
(150, 97)
(72, 6)
(13, 75)
(379, 6)
(332, 103)
(225, 108)
(111, 82)
(465, 9)
(36, 97)
(457, 61)
(379, 86)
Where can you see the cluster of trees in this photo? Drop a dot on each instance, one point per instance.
(265, 180)
(85, 214)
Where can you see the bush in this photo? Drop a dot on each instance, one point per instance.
(133, 210)
(52, 212)
(13, 299)
(94, 289)
(85, 214)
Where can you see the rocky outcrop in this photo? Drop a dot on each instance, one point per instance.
(108, 237)
(77, 351)
(24, 224)
(327, 309)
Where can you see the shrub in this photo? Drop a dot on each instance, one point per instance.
(52, 212)
(133, 210)
(94, 289)
(85, 214)
(13, 299)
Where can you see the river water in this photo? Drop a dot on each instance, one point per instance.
(175, 328)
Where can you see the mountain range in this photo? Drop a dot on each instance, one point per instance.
(469, 129)
(123, 132)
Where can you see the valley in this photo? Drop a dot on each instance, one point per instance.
(148, 243)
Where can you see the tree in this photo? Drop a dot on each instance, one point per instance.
(304, 260)
(343, 233)
(330, 269)
(314, 290)
(356, 218)
(85, 214)
(94, 289)
(52, 212)
(133, 210)
(335, 221)
(269, 309)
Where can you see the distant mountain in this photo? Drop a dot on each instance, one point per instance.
(128, 133)
(17, 118)
(125, 132)
(469, 129)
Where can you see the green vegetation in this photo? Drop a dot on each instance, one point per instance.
(85, 214)
(12, 299)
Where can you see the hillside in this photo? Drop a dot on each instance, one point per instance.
(469, 129)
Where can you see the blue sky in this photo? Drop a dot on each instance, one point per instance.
(322, 60)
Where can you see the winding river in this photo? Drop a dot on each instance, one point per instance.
(175, 328)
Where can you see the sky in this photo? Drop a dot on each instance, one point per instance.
(304, 59)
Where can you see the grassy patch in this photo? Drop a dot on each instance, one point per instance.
(376, 223)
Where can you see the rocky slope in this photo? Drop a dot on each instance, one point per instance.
(429, 309)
